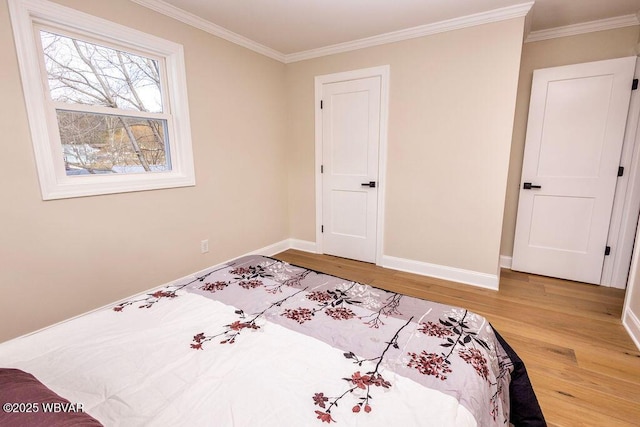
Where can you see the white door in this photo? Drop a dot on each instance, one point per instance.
(350, 148)
(577, 118)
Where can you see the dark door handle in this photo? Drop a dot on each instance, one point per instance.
(371, 184)
(529, 186)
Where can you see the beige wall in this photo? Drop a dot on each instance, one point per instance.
(551, 53)
(61, 258)
(451, 146)
(452, 100)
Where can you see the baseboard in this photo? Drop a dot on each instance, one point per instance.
(303, 245)
(272, 249)
(283, 245)
(632, 325)
(505, 261)
(469, 277)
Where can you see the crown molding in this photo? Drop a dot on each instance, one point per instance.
(501, 14)
(211, 28)
(583, 28)
(495, 15)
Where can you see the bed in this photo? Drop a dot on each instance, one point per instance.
(261, 342)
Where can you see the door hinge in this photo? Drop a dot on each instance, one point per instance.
(620, 170)
(607, 250)
(321, 168)
(634, 86)
(322, 228)
(321, 104)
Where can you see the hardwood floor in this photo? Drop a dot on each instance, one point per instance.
(584, 367)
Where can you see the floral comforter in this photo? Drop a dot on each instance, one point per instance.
(261, 342)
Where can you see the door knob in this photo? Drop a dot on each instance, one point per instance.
(371, 184)
(529, 186)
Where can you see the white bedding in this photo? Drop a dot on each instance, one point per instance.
(138, 366)
(133, 370)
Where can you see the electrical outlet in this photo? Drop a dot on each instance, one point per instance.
(204, 246)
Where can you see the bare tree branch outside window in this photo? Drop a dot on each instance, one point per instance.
(85, 74)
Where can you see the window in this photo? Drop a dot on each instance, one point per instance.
(107, 104)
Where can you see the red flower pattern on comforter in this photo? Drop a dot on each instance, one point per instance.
(439, 346)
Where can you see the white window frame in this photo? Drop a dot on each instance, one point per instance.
(26, 17)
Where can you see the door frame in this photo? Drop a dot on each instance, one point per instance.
(383, 72)
(626, 202)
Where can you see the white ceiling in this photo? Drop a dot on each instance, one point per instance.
(293, 26)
